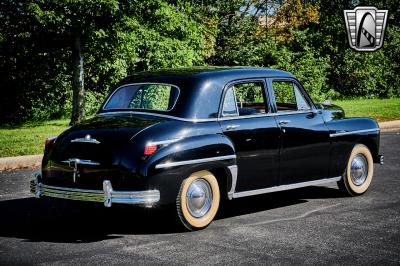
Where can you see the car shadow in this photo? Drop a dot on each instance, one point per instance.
(62, 221)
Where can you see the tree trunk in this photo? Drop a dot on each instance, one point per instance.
(78, 90)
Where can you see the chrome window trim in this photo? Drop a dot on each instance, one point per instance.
(198, 120)
(203, 160)
(241, 81)
(300, 86)
(265, 115)
(195, 120)
(235, 99)
(337, 134)
(244, 117)
(293, 112)
(142, 83)
(285, 187)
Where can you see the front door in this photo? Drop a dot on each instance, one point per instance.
(254, 132)
(305, 142)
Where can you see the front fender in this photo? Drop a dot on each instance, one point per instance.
(345, 133)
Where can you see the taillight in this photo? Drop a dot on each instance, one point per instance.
(150, 149)
(49, 142)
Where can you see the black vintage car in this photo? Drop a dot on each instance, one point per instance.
(192, 137)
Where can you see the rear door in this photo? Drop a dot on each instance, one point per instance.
(305, 142)
(246, 120)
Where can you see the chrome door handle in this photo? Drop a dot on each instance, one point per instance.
(284, 122)
(230, 127)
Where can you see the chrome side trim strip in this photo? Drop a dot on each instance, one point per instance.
(204, 160)
(163, 142)
(353, 132)
(234, 171)
(285, 187)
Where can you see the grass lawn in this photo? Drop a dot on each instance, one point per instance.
(29, 138)
(380, 109)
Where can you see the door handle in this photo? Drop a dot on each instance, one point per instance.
(284, 122)
(230, 127)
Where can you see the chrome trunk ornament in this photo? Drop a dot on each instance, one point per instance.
(86, 139)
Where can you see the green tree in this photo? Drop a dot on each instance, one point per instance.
(50, 46)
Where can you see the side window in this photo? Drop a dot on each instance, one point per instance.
(288, 97)
(244, 99)
(229, 108)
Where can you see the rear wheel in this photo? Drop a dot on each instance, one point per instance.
(198, 200)
(359, 171)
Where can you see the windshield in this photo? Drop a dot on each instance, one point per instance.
(160, 97)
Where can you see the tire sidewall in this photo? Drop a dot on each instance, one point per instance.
(187, 219)
(350, 186)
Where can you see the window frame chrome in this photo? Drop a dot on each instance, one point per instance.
(228, 85)
(300, 87)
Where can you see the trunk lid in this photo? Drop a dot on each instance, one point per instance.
(99, 145)
(98, 138)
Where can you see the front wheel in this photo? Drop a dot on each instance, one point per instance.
(359, 171)
(198, 200)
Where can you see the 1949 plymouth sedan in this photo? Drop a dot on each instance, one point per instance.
(192, 137)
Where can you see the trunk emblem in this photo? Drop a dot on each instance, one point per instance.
(86, 139)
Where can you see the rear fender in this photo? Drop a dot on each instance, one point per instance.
(190, 152)
(169, 166)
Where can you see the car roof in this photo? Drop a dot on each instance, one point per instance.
(219, 72)
(200, 88)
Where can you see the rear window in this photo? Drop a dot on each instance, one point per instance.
(160, 97)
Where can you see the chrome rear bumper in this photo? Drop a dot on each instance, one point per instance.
(108, 196)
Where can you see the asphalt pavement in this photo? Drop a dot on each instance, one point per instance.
(315, 225)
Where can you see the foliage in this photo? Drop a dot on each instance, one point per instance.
(152, 97)
(118, 38)
(295, 15)
(361, 78)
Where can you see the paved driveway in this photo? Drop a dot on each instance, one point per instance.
(306, 226)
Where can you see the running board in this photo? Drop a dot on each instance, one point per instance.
(285, 187)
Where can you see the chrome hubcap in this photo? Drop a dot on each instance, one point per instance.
(359, 170)
(199, 198)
